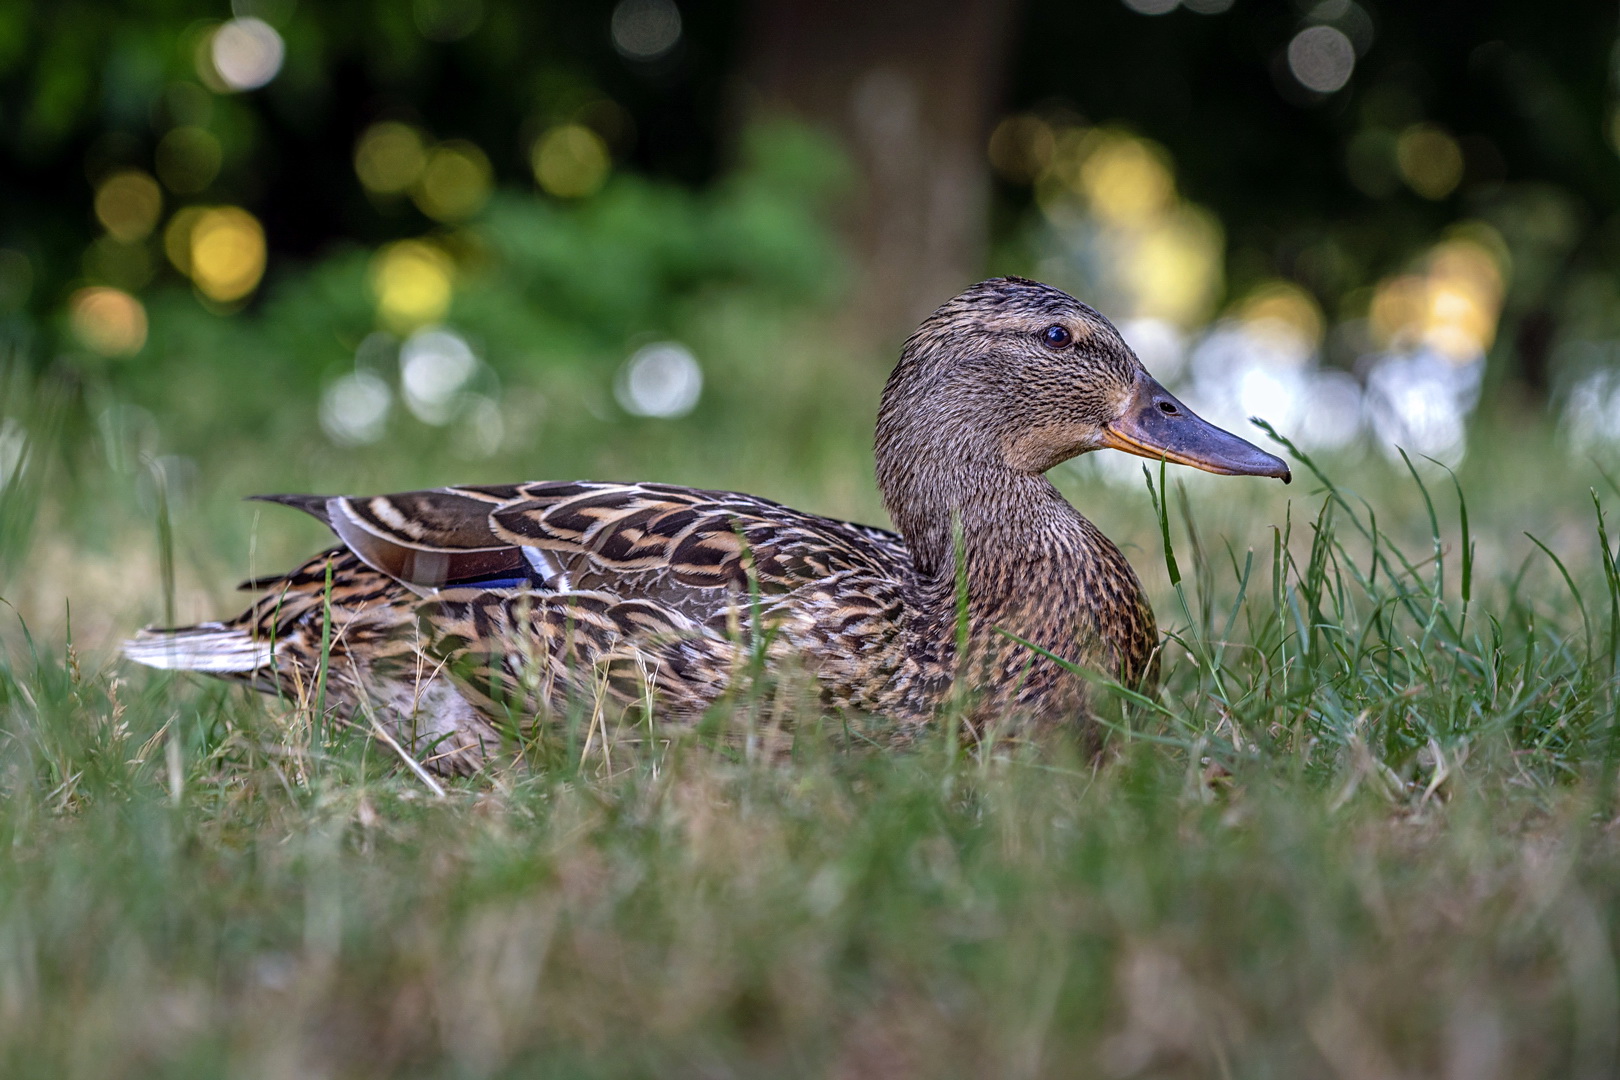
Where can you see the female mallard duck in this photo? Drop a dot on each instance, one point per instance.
(455, 610)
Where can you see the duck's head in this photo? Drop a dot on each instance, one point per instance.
(1020, 373)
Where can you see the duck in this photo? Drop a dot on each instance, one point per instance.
(455, 618)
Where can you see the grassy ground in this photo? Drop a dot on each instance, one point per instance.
(1366, 831)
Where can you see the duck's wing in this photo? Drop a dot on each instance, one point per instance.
(690, 550)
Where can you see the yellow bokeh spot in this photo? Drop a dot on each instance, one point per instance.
(413, 283)
(225, 253)
(455, 182)
(1452, 307)
(1172, 266)
(177, 237)
(1287, 313)
(570, 161)
(108, 321)
(1465, 298)
(1397, 307)
(1430, 161)
(1473, 265)
(1127, 179)
(390, 157)
(128, 205)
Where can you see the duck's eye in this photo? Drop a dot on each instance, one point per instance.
(1056, 337)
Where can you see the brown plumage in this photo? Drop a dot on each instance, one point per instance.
(460, 613)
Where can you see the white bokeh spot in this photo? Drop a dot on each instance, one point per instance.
(434, 365)
(354, 410)
(1321, 58)
(247, 53)
(645, 29)
(662, 379)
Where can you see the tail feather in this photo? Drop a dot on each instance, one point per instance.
(314, 505)
(211, 647)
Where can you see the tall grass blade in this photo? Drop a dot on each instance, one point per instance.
(1563, 571)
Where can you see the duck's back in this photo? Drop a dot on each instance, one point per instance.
(529, 596)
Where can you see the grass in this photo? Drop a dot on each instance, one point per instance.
(1366, 830)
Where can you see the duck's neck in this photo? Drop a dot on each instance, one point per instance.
(1034, 569)
(960, 495)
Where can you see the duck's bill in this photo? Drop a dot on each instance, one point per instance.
(1155, 425)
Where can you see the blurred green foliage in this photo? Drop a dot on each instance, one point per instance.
(543, 290)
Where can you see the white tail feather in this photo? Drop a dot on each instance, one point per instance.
(209, 647)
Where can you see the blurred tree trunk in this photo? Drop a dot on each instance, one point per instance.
(910, 88)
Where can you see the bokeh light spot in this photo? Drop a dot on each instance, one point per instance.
(390, 157)
(1435, 326)
(1256, 366)
(1127, 179)
(1152, 7)
(570, 161)
(1350, 17)
(227, 253)
(354, 410)
(246, 53)
(1171, 265)
(1398, 307)
(1420, 403)
(434, 364)
(1430, 161)
(1452, 307)
(483, 427)
(188, 159)
(1285, 312)
(108, 321)
(128, 205)
(177, 237)
(662, 379)
(645, 29)
(1334, 412)
(1591, 412)
(455, 183)
(1321, 58)
(1021, 147)
(413, 283)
